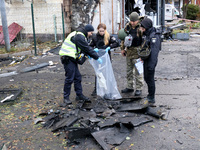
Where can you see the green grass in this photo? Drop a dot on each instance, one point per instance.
(15, 49)
(12, 50)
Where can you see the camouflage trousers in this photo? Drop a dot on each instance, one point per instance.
(134, 79)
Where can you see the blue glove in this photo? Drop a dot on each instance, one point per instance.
(96, 50)
(108, 48)
(88, 57)
(100, 60)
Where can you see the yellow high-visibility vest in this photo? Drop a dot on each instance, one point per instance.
(68, 48)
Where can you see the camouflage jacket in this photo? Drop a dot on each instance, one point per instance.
(131, 52)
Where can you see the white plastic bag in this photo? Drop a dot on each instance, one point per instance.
(106, 83)
(128, 41)
(139, 66)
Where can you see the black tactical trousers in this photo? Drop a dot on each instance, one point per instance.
(149, 79)
(72, 75)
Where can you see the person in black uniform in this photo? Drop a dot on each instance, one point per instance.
(103, 40)
(74, 45)
(153, 42)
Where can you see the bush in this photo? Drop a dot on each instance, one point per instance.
(180, 31)
(196, 25)
(192, 11)
(198, 16)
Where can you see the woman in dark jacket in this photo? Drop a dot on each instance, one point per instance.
(103, 40)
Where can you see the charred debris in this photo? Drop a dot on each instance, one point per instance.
(109, 122)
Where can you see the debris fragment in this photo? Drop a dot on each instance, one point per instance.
(154, 112)
(8, 95)
(7, 98)
(50, 63)
(13, 30)
(65, 122)
(128, 138)
(109, 122)
(28, 69)
(77, 133)
(109, 136)
(137, 121)
(134, 105)
(178, 141)
(37, 120)
(4, 147)
(8, 74)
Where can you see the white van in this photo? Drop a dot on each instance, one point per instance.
(169, 12)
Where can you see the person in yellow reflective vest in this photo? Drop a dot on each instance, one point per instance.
(74, 45)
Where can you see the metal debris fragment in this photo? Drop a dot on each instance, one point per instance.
(28, 69)
(37, 120)
(65, 122)
(8, 74)
(133, 105)
(9, 95)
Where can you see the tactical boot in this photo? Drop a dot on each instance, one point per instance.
(66, 102)
(138, 92)
(82, 97)
(126, 90)
(151, 102)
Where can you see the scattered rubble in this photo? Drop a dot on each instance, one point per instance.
(109, 122)
(28, 69)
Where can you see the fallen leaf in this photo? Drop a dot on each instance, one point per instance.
(192, 137)
(131, 145)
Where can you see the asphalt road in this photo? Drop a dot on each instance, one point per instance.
(177, 94)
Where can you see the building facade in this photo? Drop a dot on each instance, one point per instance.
(63, 16)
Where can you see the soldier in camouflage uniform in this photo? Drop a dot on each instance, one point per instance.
(134, 79)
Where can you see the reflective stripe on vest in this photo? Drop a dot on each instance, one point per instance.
(68, 47)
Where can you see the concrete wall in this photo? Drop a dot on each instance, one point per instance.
(95, 12)
(109, 13)
(77, 13)
(20, 12)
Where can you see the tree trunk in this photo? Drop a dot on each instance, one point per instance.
(185, 5)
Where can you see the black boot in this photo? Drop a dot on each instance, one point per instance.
(82, 97)
(151, 102)
(66, 102)
(126, 90)
(138, 92)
